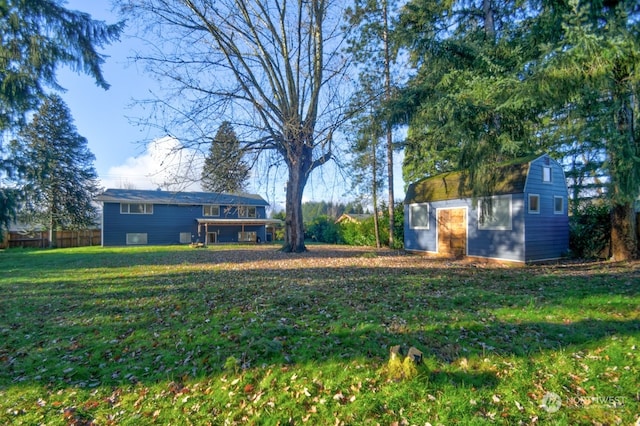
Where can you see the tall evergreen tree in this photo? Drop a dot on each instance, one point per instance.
(366, 164)
(469, 56)
(225, 169)
(497, 79)
(37, 36)
(594, 75)
(58, 180)
(371, 46)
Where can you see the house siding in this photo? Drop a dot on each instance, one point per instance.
(427, 239)
(547, 232)
(497, 244)
(165, 224)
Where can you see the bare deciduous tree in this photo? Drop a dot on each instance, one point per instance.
(272, 68)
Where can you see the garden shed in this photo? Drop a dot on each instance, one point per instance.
(523, 219)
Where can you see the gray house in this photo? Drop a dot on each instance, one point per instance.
(525, 218)
(138, 217)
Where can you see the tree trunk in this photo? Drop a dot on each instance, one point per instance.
(391, 195)
(389, 132)
(294, 225)
(489, 22)
(624, 243)
(53, 240)
(374, 187)
(623, 152)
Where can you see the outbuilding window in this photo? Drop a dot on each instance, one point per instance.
(419, 216)
(495, 213)
(558, 205)
(546, 174)
(534, 203)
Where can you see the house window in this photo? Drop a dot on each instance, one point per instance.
(247, 237)
(211, 210)
(419, 216)
(136, 238)
(495, 213)
(185, 237)
(534, 203)
(247, 211)
(546, 174)
(558, 205)
(136, 208)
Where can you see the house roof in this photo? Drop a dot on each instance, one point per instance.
(183, 198)
(510, 178)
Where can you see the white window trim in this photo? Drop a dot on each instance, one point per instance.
(411, 226)
(556, 197)
(496, 228)
(529, 204)
(147, 208)
(210, 206)
(550, 174)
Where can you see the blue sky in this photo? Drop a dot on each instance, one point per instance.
(127, 154)
(102, 115)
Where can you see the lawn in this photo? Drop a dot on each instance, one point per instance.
(247, 334)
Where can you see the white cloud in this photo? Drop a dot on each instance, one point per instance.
(165, 164)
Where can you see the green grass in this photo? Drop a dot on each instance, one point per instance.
(247, 334)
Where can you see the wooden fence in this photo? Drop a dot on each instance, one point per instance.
(40, 239)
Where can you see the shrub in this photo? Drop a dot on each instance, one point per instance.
(363, 233)
(324, 230)
(358, 233)
(590, 230)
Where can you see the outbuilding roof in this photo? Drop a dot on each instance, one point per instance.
(510, 178)
(182, 198)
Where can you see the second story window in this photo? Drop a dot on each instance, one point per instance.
(136, 208)
(211, 210)
(246, 211)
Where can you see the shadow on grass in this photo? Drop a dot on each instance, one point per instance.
(91, 331)
(113, 257)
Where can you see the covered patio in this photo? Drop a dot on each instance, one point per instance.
(214, 231)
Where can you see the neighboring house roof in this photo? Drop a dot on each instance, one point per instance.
(183, 198)
(353, 217)
(510, 178)
(25, 227)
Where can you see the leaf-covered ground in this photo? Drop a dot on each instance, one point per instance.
(234, 335)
